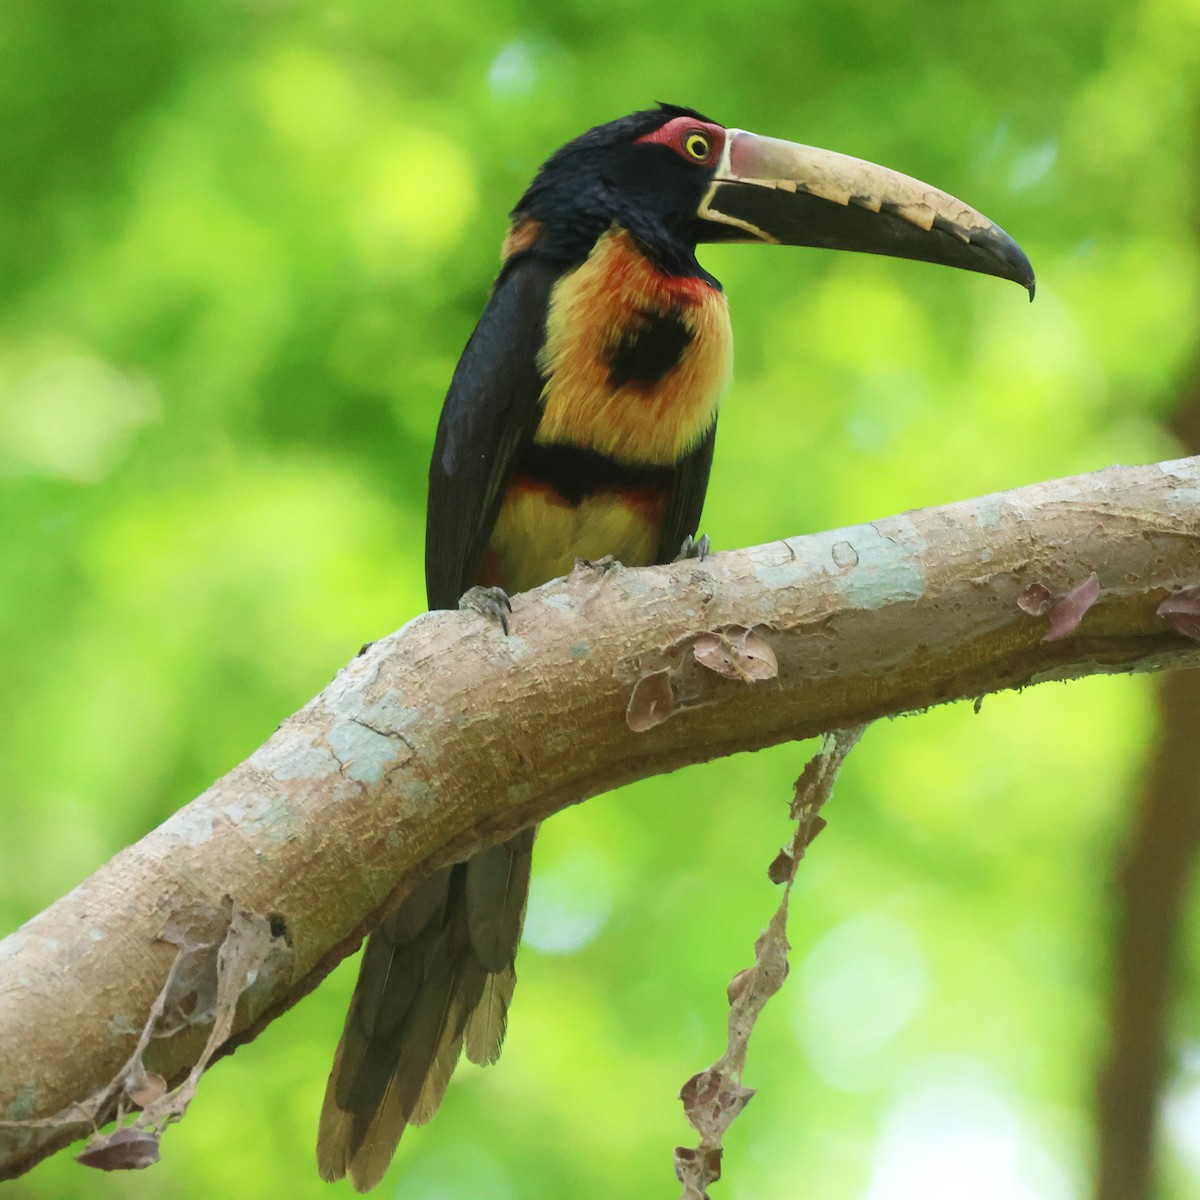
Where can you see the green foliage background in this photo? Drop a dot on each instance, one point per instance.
(241, 245)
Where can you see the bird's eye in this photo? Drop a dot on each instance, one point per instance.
(697, 146)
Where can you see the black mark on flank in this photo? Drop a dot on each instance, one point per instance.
(649, 346)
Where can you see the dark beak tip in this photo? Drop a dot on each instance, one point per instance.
(1028, 282)
(1026, 279)
(1014, 262)
(1024, 273)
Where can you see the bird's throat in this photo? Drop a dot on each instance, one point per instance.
(635, 360)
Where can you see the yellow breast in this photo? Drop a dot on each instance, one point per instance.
(635, 360)
(538, 535)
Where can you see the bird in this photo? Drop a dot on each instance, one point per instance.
(579, 423)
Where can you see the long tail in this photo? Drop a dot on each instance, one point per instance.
(439, 972)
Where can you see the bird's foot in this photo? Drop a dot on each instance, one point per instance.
(697, 548)
(490, 602)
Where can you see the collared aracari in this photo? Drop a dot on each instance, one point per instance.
(579, 423)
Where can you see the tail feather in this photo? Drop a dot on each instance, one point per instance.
(373, 1140)
(439, 971)
(488, 1024)
(437, 1080)
(450, 991)
(392, 978)
(334, 1133)
(497, 888)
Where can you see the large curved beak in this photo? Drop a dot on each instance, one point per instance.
(773, 191)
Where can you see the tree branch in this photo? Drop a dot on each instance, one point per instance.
(448, 736)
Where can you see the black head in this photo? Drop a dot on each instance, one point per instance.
(647, 172)
(674, 178)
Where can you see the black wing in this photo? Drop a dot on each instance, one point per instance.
(686, 499)
(491, 409)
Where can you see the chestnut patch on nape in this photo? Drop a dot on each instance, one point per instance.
(521, 237)
(650, 345)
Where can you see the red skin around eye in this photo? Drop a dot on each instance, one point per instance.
(675, 134)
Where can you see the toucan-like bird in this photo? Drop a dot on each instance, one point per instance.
(579, 423)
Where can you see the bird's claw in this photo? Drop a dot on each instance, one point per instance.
(490, 602)
(697, 548)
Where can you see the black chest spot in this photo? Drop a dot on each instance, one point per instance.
(650, 345)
